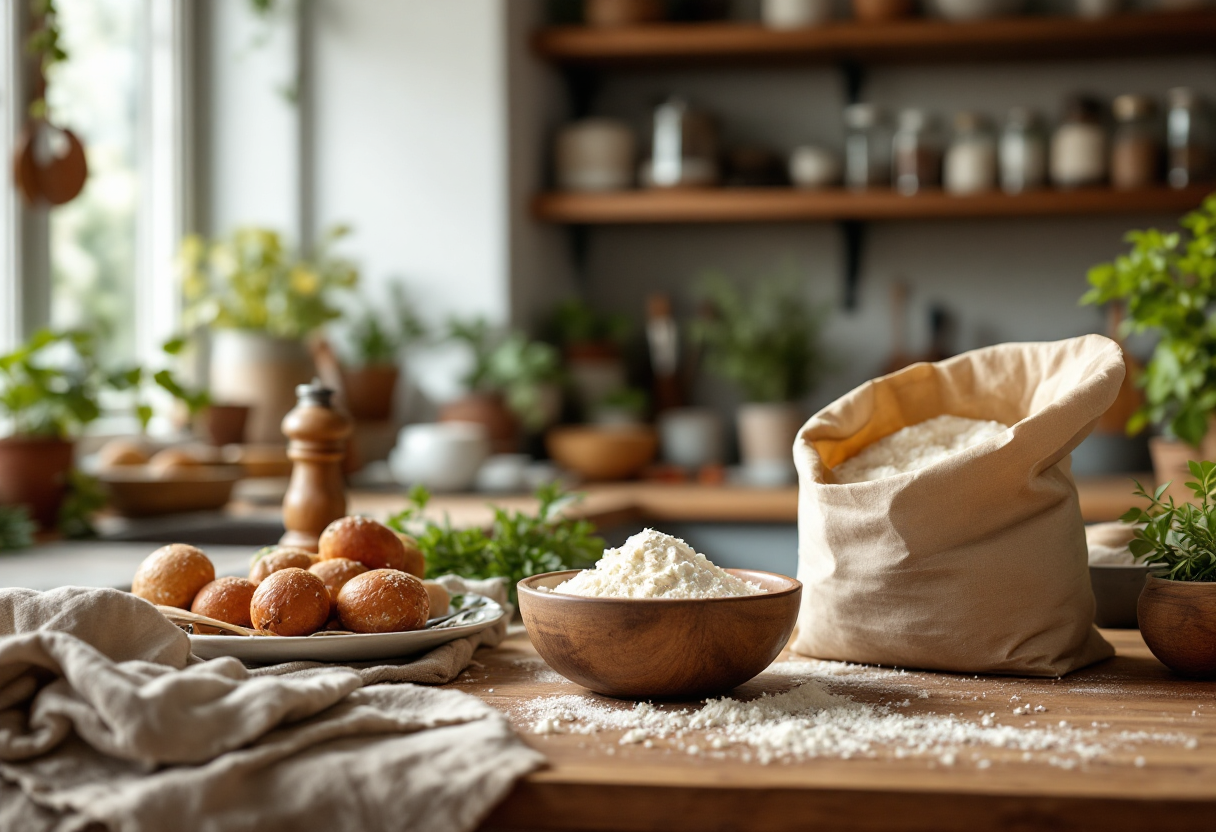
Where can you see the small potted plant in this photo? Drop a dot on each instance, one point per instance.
(591, 344)
(1168, 283)
(512, 382)
(766, 342)
(259, 301)
(50, 388)
(1177, 608)
(375, 343)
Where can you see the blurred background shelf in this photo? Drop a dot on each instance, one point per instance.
(912, 41)
(737, 205)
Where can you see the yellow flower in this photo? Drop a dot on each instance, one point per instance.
(304, 281)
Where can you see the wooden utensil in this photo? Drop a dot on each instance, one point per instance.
(180, 616)
(642, 648)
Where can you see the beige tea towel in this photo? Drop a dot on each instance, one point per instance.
(974, 564)
(104, 719)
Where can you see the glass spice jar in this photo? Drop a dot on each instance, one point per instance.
(867, 147)
(1135, 147)
(1188, 138)
(1078, 146)
(916, 156)
(1023, 152)
(970, 165)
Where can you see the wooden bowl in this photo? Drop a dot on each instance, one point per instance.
(1178, 622)
(603, 453)
(643, 648)
(134, 492)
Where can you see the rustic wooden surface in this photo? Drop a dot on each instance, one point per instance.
(1102, 498)
(735, 205)
(594, 783)
(912, 40)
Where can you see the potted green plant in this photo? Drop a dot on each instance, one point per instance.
(1177, 607)
(591, 344)
(766, 342)
(1168, 283)
(50, 388)
(258, 301)
(374, 345)
(512, 382)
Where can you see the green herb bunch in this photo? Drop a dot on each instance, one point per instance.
(766, 341)
(1180, 538)
(516, 545)
(1168, 282)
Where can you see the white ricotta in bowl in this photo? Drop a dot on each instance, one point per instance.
(916, 446)
(656, 565)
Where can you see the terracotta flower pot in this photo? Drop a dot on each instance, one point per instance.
(877, 11)
(34, 473)
(255, 369)
(766, 441)
(224, 424)
(369, 391)
(491, 411)
(1178, 622)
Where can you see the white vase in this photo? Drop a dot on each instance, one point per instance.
(795, 14)
(691, 437)
(766, 441)
(260, 372)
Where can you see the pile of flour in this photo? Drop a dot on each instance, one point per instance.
(656, 565)
(916, 446)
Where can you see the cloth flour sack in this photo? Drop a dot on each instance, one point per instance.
(975, 564)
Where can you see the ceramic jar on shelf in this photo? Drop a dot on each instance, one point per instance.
(795, 14)
(1135, 149)
(1023, 152)
(1078, 146)
(867, 147)
(595, 154)
(916, 155)
(1188, 138)
(970, 162)
(684, 148)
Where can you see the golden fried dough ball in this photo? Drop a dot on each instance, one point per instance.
(415, 562)
(227, 599)
(362, 539)
(285, 558)
(439, 597)
(173, 575)
(336, 572)
(173, 462)
(118, 453)
(290, 602)
(383, 601)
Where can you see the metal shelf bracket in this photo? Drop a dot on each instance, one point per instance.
(853, 234)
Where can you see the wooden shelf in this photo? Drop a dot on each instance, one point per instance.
(792, 205)
(916, 40)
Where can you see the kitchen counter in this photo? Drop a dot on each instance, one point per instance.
(595, 783)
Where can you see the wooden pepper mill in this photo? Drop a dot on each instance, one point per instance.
(316, 495)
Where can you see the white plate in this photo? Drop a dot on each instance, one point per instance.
(360, 647)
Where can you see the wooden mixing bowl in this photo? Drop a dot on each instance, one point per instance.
(614, 452)
(643, 648)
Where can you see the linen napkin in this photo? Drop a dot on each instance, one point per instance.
(106, 719)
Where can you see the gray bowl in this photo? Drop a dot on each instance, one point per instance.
(1116, 590)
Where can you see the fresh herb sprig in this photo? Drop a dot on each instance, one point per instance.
(516, 545)
(1180, 538)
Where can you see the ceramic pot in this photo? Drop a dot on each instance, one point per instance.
(224, 424)
(1178, 622)
(692, 437)
(262, 372)
(34, 473)
(489, 410)
(795, 14)
(442, 456)
(878, 11)
(369, 391)
(611, 13)
(766, 441)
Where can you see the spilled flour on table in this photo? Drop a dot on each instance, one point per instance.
(810, 721)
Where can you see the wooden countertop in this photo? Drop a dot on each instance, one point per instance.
(1102, 499)
(595, 783)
